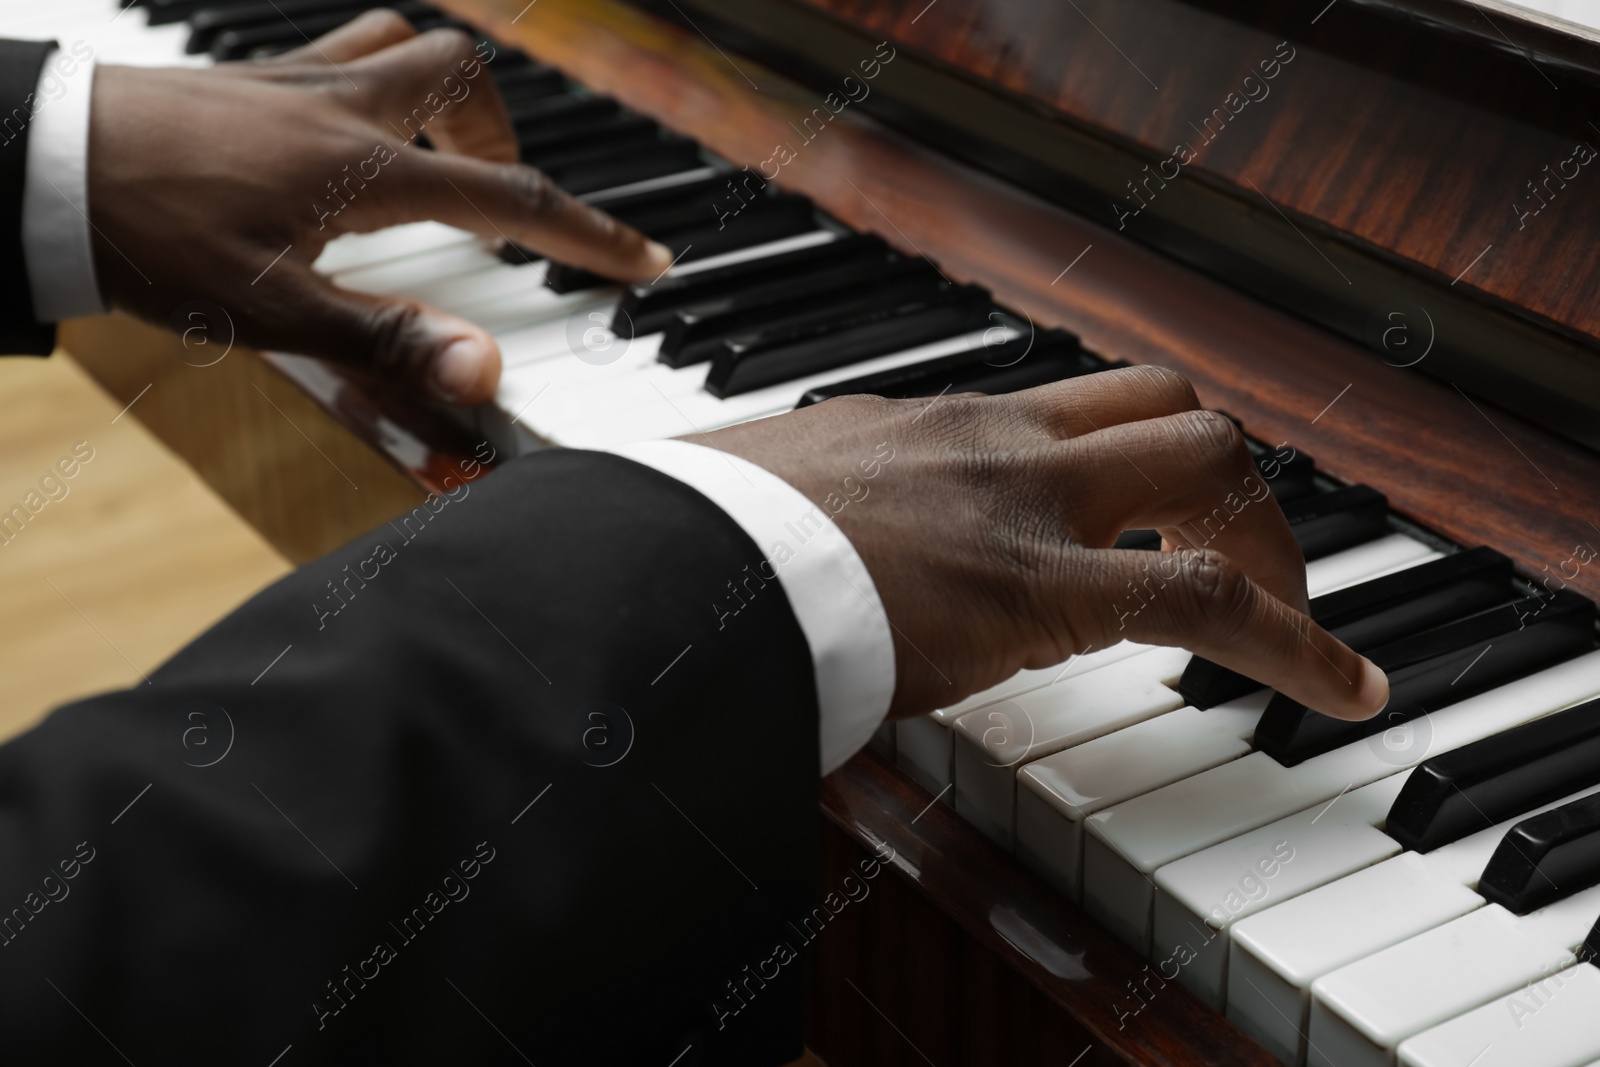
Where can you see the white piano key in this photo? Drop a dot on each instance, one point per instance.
(420, 276)
(1056, 793)
(1549, 1023)
(351, 250)
(1275, 956)
(923, 746)
(1126, 843)
(1361, 1012)
(992, 744)
(600, 197)
(1270, 967)
(1374, 559)
(1200, 896)
(754, 252)
(698, 411)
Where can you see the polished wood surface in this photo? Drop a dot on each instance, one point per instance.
(968, 959)
(273, 451)
(1462, 466)
(1330, 160)
(133, 558)
(961, 956)
(1423, 160)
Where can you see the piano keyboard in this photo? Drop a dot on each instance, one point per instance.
(1418, 890)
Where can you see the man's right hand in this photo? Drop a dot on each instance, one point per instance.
(989, 531)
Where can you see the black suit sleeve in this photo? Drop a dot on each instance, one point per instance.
(20, 65)
(494, 784)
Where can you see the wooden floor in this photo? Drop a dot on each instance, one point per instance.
(136, 558)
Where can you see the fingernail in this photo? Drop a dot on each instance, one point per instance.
(1374, 691)
(660, 256)
(456, 370)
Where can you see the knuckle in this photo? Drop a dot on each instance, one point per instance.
(389, 329)
(387, 21)
(1215, 436)
(1173, 388)
(1219, 594)
(451, 42)
(533, 190)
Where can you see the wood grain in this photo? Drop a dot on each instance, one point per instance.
(130, 561)
(1465, 468)
(277, 456)
(1379, 131)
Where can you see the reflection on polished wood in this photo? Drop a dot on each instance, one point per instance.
(1475, 473)
(967, 958)
(273, 453)
(1375, 129)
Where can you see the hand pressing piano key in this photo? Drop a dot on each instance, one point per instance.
(1430, 669)
(260, 273)
(1379, 611)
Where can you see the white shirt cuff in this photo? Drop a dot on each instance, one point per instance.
(55, 196)
(833, 597)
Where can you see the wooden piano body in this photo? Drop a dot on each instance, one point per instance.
(1009, 140)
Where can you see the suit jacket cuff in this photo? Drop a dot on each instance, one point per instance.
(55, 198)
(832, 595)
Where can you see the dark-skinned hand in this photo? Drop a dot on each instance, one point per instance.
(200, 178)
(988, 534)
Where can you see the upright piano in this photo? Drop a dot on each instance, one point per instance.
(1363, 228)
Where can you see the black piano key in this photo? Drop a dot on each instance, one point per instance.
(1590, 952)
(206, 24)
(556, 117)
(628, 164)
(164, 12)
(1439, 667)
(1545, 858)
(768, 219)
(1139, 541)
(646, 309)
(779, 355)
(639, 209)
(1330, 522)
(284, 34)
(1498, 778)
(1376, 612)
(623, 143)
(524, 84)
(696, 333)
(1291, 477)
(1055, 356)
(567, 139)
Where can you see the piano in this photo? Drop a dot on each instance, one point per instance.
(1361, 227)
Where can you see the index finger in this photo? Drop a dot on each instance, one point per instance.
(518, 203)
(1203, 602)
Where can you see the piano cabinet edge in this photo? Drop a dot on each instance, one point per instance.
(957, 954)
(305, 481)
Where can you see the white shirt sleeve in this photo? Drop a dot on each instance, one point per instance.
(833, 597)
(55, 197)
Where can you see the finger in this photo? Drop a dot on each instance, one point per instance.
(399, 340)
(1096, 401)
(1203, 602)
(512, 201)
(371, 31)
(437, 83)
(1191, 477)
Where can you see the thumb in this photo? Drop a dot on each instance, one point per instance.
(398, 340)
